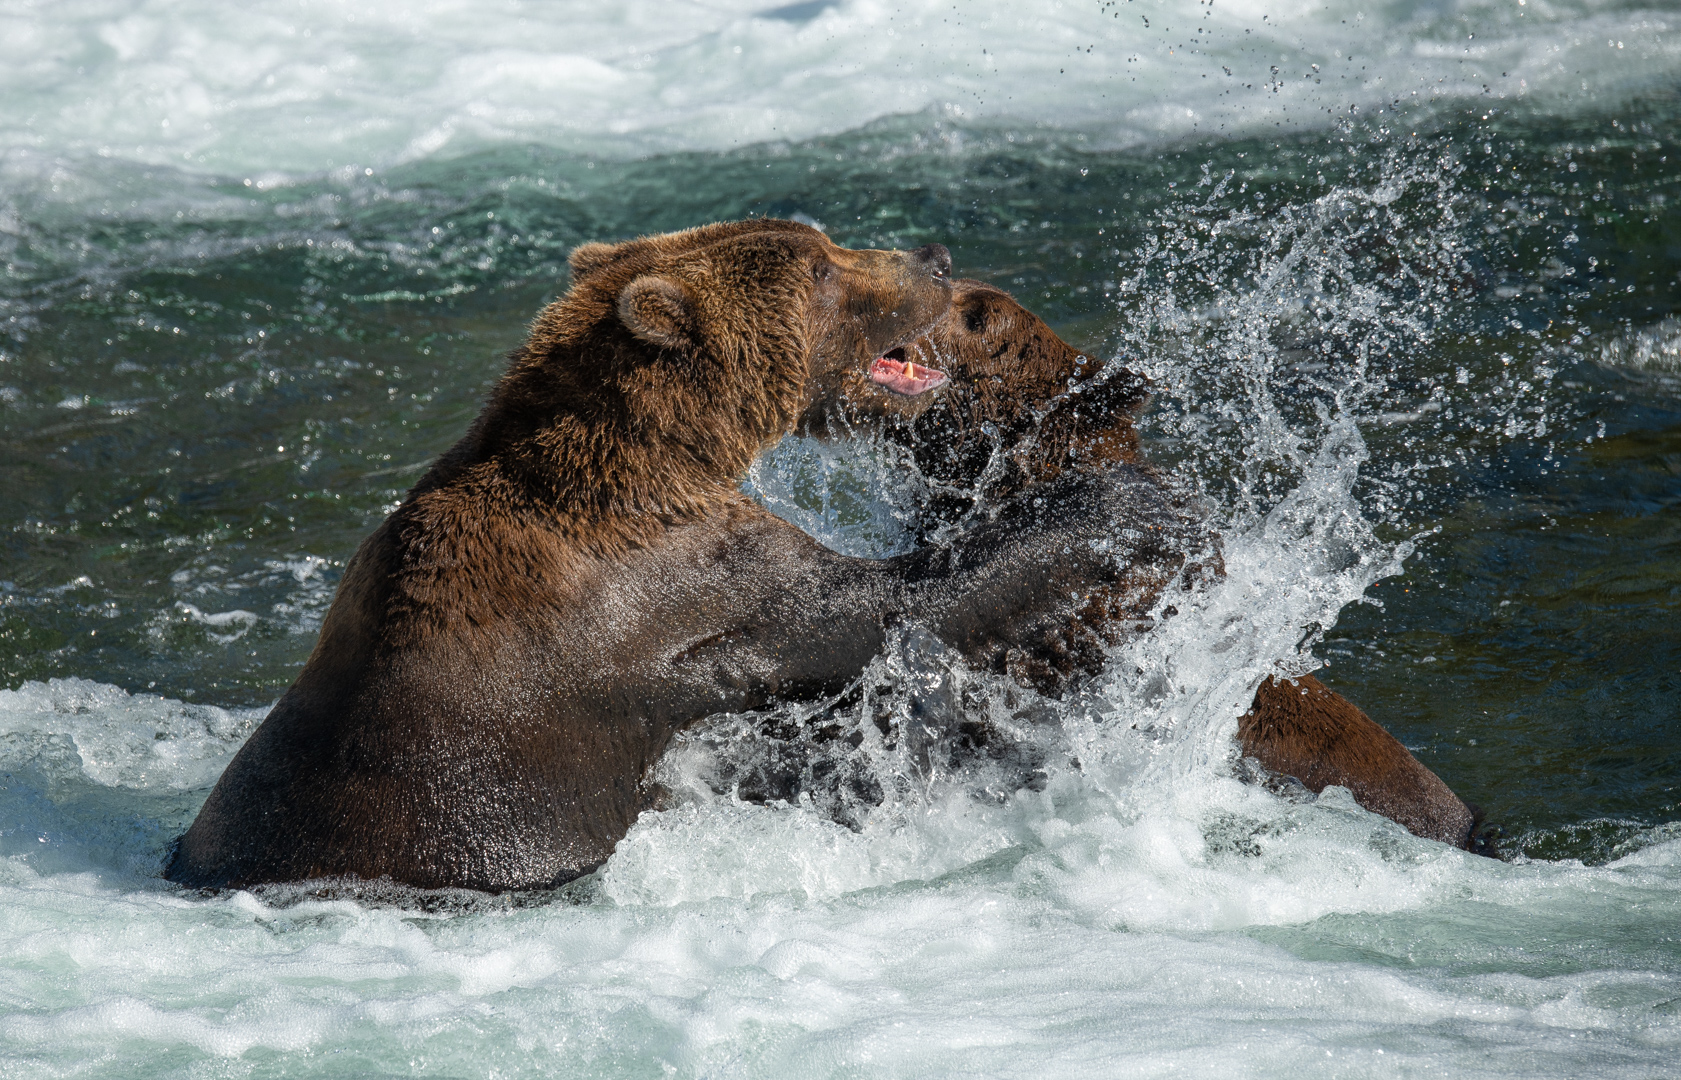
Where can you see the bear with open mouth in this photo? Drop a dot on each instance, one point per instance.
(991, 403)
(580, 577)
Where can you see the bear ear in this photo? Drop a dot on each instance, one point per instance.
(586, 259)
(659, 311)
(975, 315)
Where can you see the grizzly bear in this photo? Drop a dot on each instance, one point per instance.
(991, 401)
(580, 577)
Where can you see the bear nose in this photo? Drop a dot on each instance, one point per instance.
(937, 258)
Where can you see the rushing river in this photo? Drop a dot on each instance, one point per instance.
(1407, 278)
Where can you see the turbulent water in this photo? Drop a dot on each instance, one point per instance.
(1407, 279)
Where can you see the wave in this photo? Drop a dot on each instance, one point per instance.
(1655, 348)
(253, 93)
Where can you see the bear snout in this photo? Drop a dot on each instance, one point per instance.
(937, 258)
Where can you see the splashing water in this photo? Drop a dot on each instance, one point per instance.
(1656, 349)
(1273, 339)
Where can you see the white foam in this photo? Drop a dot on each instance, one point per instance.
(249, 91)
(1659, 846)
(731, 849)
(119, 739)
(1098, 937)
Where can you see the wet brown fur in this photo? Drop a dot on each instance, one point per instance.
(1300, 727)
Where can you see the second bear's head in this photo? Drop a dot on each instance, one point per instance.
(992, 378)
(715, 339)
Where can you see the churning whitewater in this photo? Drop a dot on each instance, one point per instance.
(1403, 278)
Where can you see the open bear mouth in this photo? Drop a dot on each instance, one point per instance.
(897, 372)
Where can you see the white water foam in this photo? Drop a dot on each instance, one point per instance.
(1096, 923)
(117, 739)
(304, 87)
(94, 781)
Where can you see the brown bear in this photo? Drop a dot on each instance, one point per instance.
(580, 577)
(991, 401)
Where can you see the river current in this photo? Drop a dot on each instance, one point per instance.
(1407, 280)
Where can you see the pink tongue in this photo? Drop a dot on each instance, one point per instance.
(908, 378)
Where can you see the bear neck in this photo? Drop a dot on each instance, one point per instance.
(578, 454)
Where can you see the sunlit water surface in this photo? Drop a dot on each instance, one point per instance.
(1408, 282)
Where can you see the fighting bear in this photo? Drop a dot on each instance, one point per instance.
(990, 402)
(580, 577)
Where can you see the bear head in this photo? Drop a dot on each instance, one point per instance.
(674, 360)
(990, 399)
